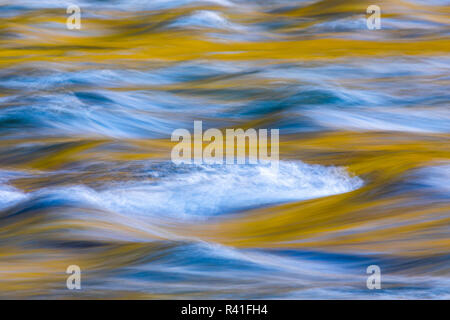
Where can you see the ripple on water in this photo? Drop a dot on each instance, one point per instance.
(210, 190)
(204, 190)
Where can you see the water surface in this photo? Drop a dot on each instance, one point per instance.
(85, 172)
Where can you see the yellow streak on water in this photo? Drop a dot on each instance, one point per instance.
(110, 40)
(358, 221)
(340, 222)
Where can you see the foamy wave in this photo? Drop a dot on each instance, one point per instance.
(205, 19)
(210, 190)
(190, 191)
(9, 196)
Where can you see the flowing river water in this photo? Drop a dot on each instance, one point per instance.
(86, 177)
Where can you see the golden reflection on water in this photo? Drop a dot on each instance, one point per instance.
(381, 218)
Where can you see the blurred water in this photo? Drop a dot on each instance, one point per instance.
(85, 173)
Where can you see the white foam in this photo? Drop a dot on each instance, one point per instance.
(203, 190)
(205, 19)
(210, 190)
(9, 196)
